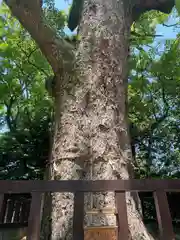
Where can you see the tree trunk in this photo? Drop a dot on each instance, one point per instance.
(91, 136)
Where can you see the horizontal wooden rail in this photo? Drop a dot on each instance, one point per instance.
(148, 185)
(13, 225)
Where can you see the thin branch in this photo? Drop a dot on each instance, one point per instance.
(153, 107)
(34, 50)
(24, 86)
(58, 52)
(9, 119)
(30, 62)
(166, 105)
(145, 35)
(171, 25)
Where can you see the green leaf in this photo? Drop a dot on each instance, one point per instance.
(3, 46)
(177, 4)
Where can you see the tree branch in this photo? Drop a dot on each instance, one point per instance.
(136, 34)
(11, 123)
(142, 6)
(58, 52)
(171, 25)
(30, 62)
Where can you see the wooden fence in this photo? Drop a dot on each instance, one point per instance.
(37, 188)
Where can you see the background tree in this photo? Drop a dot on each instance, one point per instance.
(76, 110)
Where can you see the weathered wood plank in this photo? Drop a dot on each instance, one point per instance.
(146, 185)
(78, 218)
(101, 233)
(34, 221)
(1, 207)
(123, 230)
(163, 216)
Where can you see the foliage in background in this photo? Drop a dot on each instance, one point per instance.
(154, 83)
(25, 109)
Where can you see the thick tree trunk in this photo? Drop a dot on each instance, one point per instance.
(91, 137)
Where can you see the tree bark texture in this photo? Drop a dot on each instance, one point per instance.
(91, 138)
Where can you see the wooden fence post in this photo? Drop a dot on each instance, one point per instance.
(1, 207)
(163, 216)
(34, 221)
(123, 229)
(78, 217)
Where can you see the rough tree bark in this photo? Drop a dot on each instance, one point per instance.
(91, 138)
